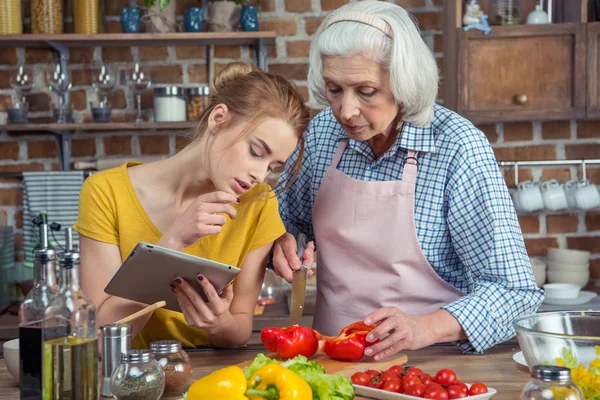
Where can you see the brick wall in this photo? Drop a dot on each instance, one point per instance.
(294, 21)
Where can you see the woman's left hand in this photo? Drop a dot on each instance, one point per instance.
(211, 315)
(404, 332)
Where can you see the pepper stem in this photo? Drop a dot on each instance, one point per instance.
(270, 394)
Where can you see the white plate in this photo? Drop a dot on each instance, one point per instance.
(519, 358)
(584, 297)
(379, 394)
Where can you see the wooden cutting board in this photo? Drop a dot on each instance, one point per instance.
(344, 367)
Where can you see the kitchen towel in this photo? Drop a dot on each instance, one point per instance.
(57, 193)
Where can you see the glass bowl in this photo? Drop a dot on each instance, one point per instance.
(570, 336)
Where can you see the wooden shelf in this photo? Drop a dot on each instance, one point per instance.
(137, 39)
(96, 126)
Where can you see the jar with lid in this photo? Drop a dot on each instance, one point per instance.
(86, 16)
(551, 382)
(505, 12)
(138, 377)
(198, 101)
(169, 104)
(46, 16)
(10, 17)
(176, 364)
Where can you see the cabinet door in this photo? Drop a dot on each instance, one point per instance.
(593, 85)
(530, 72)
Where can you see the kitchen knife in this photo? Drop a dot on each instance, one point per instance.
(298, 284)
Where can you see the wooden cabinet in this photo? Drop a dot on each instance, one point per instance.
(593, 70)
(522, 73)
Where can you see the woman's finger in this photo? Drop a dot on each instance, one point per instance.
(214, 301)
(192, 296)
(190, 313)
(392, 344)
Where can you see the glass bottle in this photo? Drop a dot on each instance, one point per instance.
(505, 12)
(70, 361)
(551, 382)
(176, 364)
(31, 315)
(46, 16)
(138, 377)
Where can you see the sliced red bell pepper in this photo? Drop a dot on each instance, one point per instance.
(291, 341)
(350, 344)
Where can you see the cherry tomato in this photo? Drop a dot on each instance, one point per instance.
(410, 381)
(393, 385)
(372, 372)
(456, 392)
(426, 379)
(477, 388)
(462, 385)
(389, 375)
(415, 390)
(360, 378)
(397, 368)
(445, 376)
(375, 382)
(436, 393)
(413, 372)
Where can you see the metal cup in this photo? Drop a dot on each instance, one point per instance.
(116, 341)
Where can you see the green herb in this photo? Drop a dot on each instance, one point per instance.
(569, 358)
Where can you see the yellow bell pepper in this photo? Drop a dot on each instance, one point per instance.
(227, 383)
(275, 382)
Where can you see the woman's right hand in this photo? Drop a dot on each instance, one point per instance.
(285, 256)
(201, 218)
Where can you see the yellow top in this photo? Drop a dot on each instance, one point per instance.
(110, 212)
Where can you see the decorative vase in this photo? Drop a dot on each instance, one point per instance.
(249, 18)
(193, 19)
(130, 20)
(159, 20)
(223, 16)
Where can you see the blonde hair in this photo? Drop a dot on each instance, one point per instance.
(413, 71)
(253, 95)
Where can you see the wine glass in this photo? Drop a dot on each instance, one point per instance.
(104, 80)
(21, 81)
(59, 81)
(139, 81)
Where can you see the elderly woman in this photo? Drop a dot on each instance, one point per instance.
(415, 228)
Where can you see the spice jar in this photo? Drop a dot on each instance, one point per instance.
(551, 382)
(46, 16)
(138, 377)
(169, 104)
(198, 101)
(505, 12)
(176, 364)
(86, 15)
(10, 17)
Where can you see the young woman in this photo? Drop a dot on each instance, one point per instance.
(208, 200)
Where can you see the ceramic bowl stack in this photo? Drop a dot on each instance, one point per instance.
(568, 266)
(539, 270)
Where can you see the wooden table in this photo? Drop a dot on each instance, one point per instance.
(495, 368)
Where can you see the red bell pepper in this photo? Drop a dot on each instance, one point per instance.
(291, 341)
(350, 344)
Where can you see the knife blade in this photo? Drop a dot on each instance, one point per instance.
(298, 284)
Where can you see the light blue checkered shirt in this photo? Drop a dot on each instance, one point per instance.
(466, 223)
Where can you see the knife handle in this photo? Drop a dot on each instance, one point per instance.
(301, 241)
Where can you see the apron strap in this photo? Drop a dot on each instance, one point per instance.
(410, 166)
(339, 151)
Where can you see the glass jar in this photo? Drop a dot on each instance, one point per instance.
(169, 104)
(505, 12)
(551, 382)
(46, 16)
(10, 17)
(176, 364)
(138, 377)
(86, 14)
(198, 101)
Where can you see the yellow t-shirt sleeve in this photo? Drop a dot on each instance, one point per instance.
(270, 226)
(97, 213)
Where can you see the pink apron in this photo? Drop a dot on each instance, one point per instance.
(368, 253)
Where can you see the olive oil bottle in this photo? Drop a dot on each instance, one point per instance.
(31, 315)
(70, 365)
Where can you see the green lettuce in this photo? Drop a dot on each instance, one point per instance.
(324, 386)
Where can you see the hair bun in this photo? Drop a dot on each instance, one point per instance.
(230, 73)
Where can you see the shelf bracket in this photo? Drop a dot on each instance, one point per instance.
(261, 54)
(63, 139)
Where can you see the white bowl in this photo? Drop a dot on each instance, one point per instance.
(555, 265)
(537, 263)
(579, 278)
(568, 256)
(11, 357)
(561, 290)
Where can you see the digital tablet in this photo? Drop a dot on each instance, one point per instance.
(146, 274)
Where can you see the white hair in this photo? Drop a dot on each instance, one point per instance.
(413, 71)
